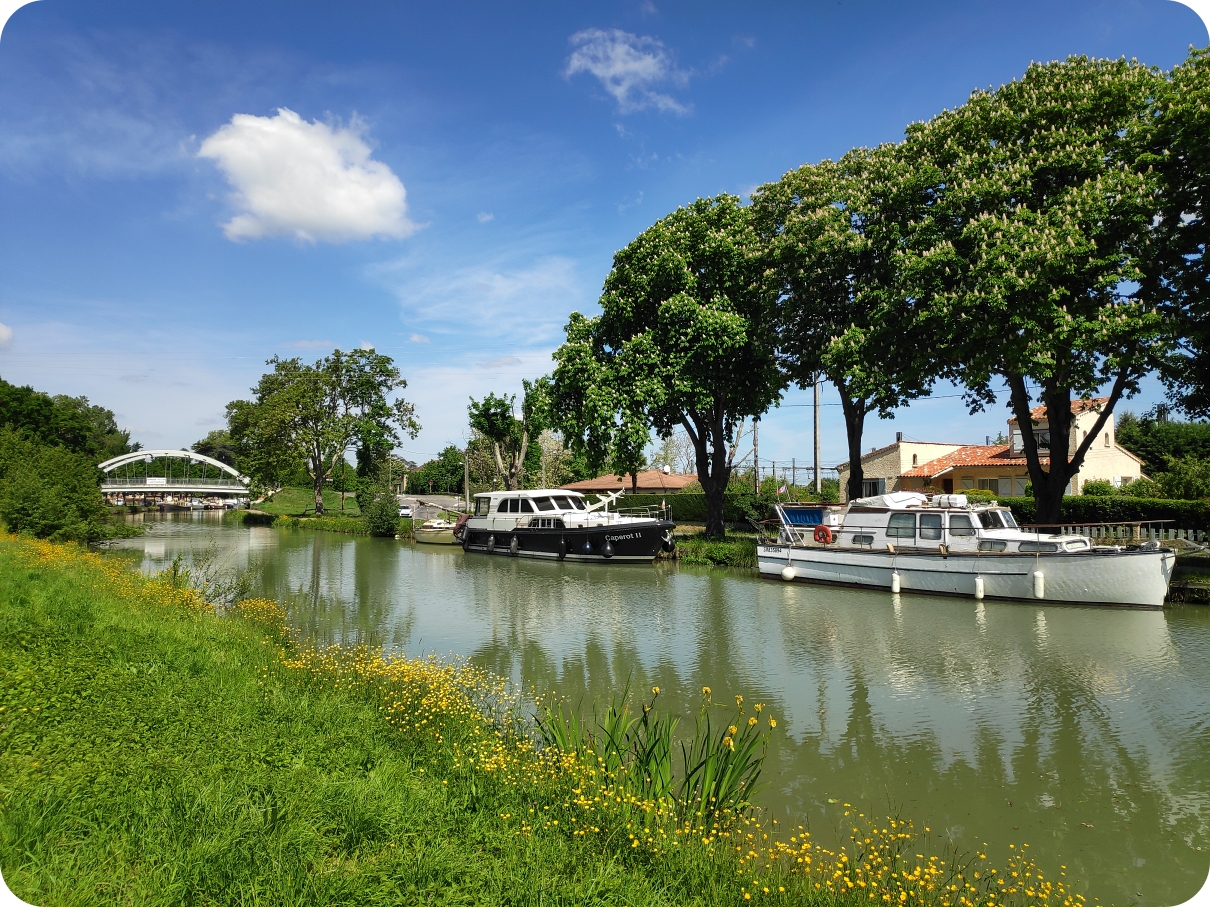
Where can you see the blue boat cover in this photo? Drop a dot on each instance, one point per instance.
(803, 516)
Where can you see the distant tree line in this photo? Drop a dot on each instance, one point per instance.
(1045, 238)
(50, 446)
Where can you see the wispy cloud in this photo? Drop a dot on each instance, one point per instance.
(312, 181)
(629, 67)
(417, 338)
(6, 336)
(485, 216)
(524, 305)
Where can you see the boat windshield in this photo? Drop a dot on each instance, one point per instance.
(576, 503)
(1007, 516)
(561, 503)
(990, 519)
(543, 504)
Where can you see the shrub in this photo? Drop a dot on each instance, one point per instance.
(381, 515)
(1098, 486)
(979, 495)
(1186, 479)
(1142, 488)
(52, 493)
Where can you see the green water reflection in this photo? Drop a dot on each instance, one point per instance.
(1083, 732)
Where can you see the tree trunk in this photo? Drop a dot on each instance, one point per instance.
(699, 433)
(319, 491)
(854, 425)
(1051, 484)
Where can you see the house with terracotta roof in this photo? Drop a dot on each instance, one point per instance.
(999, 468)
(646, 481)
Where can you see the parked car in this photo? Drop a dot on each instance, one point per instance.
(405, 510)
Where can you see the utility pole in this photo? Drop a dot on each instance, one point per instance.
(818, 478)
(756, 455)
(466, 478)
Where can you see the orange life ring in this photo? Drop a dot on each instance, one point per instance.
(823, 535)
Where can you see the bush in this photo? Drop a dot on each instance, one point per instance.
(979, 495)
(1142, 488)
(381, 514)
(1083, 510)
(1186, 479)
(52, 493)
(1098, 486)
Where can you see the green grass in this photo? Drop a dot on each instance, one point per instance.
(301, 502)
(153, 751)
(734, 551)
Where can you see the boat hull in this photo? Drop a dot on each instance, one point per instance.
(1124, 578)
(636, 542)
(434, 536)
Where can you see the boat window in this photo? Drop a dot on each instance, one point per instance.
(992, 545)
(483, 506)
(901, 526)
(1007, 517)
(1077, 545)
(561, 504)
(930, 527)
(503, 508)
(960, 524)
(526, 506)
(514, 505)
(863, 540)
(1031, 547)
(543, 504)
(576, 503)
(990, 519)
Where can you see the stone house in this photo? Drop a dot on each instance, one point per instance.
(999, 468)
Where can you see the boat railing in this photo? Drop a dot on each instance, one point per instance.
(1123, 531)
(648, 512)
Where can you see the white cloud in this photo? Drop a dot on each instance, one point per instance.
(418, 338)
(6, 336)
(366, 345)
(628, 66)
(502, 362)
(485, 216)
(312, 181)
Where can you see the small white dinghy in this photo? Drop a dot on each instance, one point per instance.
(907, 542)
(435, 532)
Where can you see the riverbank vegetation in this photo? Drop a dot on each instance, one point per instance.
(157, 750)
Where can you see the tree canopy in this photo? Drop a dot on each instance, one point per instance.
(312, 414)
(686, 339)
(496, 420)
(836, 231)
(1034, 276)
(60, 421)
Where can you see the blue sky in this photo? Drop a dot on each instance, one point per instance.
(189, 189)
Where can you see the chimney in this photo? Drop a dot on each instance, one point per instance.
(898, 437)
(987, 440)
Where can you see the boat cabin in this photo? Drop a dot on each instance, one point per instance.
(909, 521)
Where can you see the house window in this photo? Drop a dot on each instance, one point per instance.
(930, 527)
(871, 487)
(992, 485)
(1106, 439)
(968, 482)
(960, 524)
(915, 460)
(901, 526)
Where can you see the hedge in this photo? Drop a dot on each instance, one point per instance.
(690, 506)
(1083, 509)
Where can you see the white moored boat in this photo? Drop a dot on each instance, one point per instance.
(906, 542)
(559, 524)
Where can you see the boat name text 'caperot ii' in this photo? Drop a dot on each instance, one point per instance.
(907, 542)
(556, 523)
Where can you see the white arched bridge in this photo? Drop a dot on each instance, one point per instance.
(167, 474)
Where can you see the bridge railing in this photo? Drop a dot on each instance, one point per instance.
(153, 482)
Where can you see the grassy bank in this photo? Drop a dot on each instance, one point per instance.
(154, 751)
(300, 502)
(734, 551)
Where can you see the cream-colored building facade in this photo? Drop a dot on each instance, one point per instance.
(999, 468)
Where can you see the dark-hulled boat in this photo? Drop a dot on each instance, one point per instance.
(559, 524)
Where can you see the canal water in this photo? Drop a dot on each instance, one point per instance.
(1083, 732)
